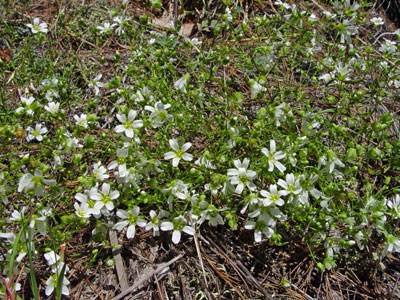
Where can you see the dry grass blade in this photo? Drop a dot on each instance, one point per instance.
(196, 242)
(147, 277)
(119, 265)
(245, 271)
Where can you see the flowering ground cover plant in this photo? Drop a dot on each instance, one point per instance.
(271, 135)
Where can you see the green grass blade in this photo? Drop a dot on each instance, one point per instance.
(60, 278)
(14, 252)
(34, 286)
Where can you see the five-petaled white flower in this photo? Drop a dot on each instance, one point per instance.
(178, 225)
(159, 114)
(52, 282)
(52, 107)
(106, 28)
(274, 157)
(36, 133)
(256, 87)
(131, 219)
(377, 21)
(264, 225)
(100, 172)
(128, 124)
(81, 120)
(82, 210)
(36, 26)
(106, 196)
(178, 153)
(96, 84)
(291, 185)
(27, 102)
(34, 182)
(273, 197)
(241, 176)
(180, 84)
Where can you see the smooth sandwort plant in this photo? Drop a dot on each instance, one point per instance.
(284, 124)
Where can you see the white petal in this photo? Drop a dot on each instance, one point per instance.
(166, 226)
(280, 167)
(272, 146)
(119, 128)
(189, 230)
(129, 132)
(130, 233)
(186, 147)
(174, 144)
(137, 124)
(132, 114)
(176, 236)
(187, 157)
(175, 162)
(169, 155)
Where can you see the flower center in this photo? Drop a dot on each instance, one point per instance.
(243, 179)
(179, 153)
(132, 219)
(274, 198)
(128, 124)
(291, 188)
(105, 198)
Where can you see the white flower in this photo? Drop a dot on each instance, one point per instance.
(29, 182)
(51, 257)
(17, 215)
(128, 124)
(100, 172)
(51, 94)
(131, 219)
(394, 205)
(93, 208)
(312, 18)
(178, 225)
(279, 113)
(120, 162)
(241, 176)
(273, 197)
(291, 185)
(329, 15)
(82, 210)
(327, 77)
(388, 47)
(121, 23)
(331, 161)
(106, 28)
(27, 102)
(377, 21)
(205, 162)
(180, 84)
(51, 284)
(178, 153)
(81, 120)
(264, 225)
(36, 27)
(52, 107)
(210, 213)
(106, 196)
(96, 84)
(274, 157)
(36, 133)
(159, 114)
(256, 88)
(155, 222)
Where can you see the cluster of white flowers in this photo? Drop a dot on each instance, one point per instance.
(120, 22)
